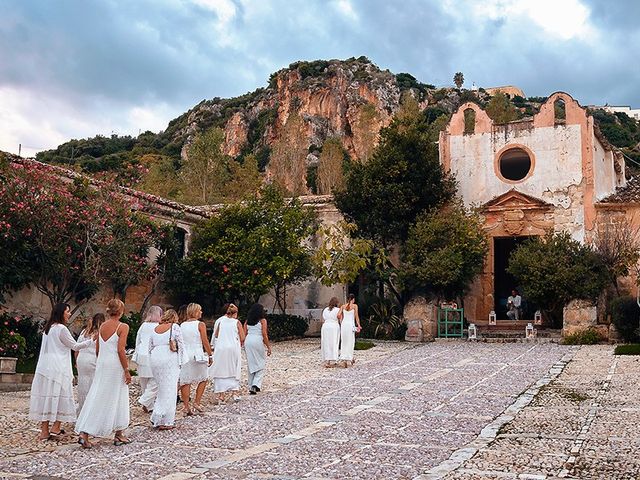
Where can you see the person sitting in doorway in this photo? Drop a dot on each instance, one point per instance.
(513, 305)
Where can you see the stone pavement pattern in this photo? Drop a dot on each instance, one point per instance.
(403, 411)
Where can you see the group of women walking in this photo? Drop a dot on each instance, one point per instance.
(171, 356)
(339, 328)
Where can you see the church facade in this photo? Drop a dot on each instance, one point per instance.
(553, 172)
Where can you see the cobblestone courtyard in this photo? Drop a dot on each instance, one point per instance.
(452, 410)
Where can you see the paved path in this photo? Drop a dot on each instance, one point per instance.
(402, 412)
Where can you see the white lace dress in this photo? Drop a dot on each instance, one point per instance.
(227, 359)
(330, 334)
(347, 335)
(86, 365)
(165, 365)
(106, 408)
(52, 388)
(197, 361)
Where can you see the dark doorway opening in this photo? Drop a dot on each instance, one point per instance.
(503, 281)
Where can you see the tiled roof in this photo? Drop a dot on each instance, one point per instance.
(630, 193)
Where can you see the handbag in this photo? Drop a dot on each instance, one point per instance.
(173, 346)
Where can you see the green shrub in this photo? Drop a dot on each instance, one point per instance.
(584, 337)
(630, 349)
(364, 345)
(134, 320)
(625, 315)
(30, 329)
(283, 326)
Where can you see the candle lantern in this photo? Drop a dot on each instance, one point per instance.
(492, 318)
(537, 318)
(473, 332)
(529, 331)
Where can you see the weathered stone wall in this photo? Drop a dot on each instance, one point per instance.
(580, 315)
(422, 320)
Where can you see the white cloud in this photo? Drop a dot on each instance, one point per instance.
(346, 8)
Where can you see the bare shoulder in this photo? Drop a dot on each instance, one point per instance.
(125, 327)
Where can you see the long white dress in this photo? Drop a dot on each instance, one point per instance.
(52, 388)
(330, 334)
(148, 385)
(227, 356)
(86, 365)
(195, 370)
(106, 408)
(256, 355)
(165, 365)
(347, 335)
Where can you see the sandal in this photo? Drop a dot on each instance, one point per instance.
(57, 434)
(42, 439)
(198, 408)
(118, 441)
(83, 443)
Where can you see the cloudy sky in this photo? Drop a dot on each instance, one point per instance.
(77, 68)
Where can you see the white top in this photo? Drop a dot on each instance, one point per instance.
(141, 355)
(227, 353)
(161, 340)
(54, 361)
(215, 325)
(192, 341)
(516, 301)
(330, 315)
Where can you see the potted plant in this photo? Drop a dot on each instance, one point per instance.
(12, 344)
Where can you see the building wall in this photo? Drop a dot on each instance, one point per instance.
(571, 170)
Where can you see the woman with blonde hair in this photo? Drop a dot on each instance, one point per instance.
(195, 370)
(166, 350)
(349, 326)
(148, 385)
(227, 359)
(106, 409)
(330, 333)
(86, 358)
(52, 388)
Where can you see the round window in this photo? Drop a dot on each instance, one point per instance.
(515, 164)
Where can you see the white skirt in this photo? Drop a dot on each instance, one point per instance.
(51, 401)
(221, 385)
(194, 372)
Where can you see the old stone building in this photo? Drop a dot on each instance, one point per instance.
(554, 171)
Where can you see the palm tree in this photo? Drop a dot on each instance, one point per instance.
(458, 79)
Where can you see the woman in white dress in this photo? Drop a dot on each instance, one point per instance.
(256, 346)
(330, 333)
(52, 388)
(106, 409)
(166, 351)
(227, 360)
(348, 328)
(86, 358)
(148, 385)
(195, 370)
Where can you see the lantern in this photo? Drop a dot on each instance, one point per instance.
(473, 332)
(537, 318)
(529, 331)
(492, 318)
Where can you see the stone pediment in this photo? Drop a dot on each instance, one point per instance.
(514, 200)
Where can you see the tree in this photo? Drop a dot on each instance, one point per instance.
(367, 127)
(340, 256)
(556, 269)
(206, 170)
(445, 250)
(248, 249)
(618, 247)
(287, 163)
(458, 79)
(402, 179)
(161, 177)
(500, 109)
(68, 238)
(331, 167)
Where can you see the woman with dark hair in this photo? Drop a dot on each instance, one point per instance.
(52, 388)
(256, 345)
(330, 333)
(86, 358)
(348, 328)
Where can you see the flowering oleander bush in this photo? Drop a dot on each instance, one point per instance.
(12, 344)
(67, 238)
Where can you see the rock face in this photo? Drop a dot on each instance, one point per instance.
(351, 99)
(421, 318)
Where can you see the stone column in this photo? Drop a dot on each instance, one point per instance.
(421, 318)
(579, 315)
